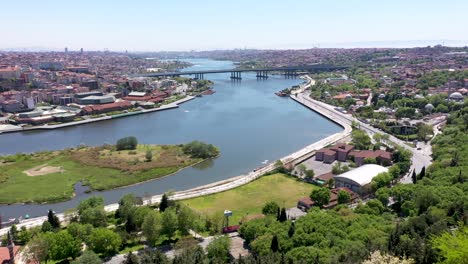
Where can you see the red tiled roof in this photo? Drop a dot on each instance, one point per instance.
(5, 254)
(325, 177)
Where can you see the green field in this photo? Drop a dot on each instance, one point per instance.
(101, 168)
(250, 199)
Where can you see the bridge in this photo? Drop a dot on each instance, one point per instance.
(261, 73)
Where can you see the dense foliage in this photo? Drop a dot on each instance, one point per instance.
(197, 149)
(127, 143)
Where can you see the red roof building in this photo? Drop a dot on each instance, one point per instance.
(5, 254)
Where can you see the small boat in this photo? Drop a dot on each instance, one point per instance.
(265, 162)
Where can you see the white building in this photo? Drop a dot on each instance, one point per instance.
(359, 177)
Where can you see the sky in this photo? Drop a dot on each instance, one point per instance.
(175, 25)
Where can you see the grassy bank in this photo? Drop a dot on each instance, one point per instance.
(250, 199)
(50, 176)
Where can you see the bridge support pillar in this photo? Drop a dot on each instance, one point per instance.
(262, 74)
(236, 75)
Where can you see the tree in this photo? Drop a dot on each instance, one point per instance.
(149, 155)
(270, 208)
(152, 227)
(360, 139)
(292, 230)
(394, 171)
(62, 245)
(127, 206)
(151, 256)
(370, 160)
(218, 250)
(414, 178)
(91, 211)
(278, 164)
(197, 149)
(24, 236)
(343, 197)
(164, 204)
(46, 227)
(283, 217)
(302, 169)
(424, 131)
(38, 248)
(169, 223)
(452, 247)
(53, 219)
(377, 137)
(381, 180)
(130, 258)
(88, 257)
(127, 143)
(191, 255)
(331, 183)
(80, 231)
(104, 241)
(422, 174)
(309, 174)
(185, 219)
(320, 196)
(274, 244)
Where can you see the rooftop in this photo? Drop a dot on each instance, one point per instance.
(362, 175)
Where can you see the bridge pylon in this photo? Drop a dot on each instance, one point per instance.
(236, 75)
(262, 74)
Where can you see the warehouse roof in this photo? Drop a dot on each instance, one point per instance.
(362, 175)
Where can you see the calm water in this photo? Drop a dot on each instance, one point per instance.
(244, 119)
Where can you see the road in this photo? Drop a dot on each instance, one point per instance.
(421, 158)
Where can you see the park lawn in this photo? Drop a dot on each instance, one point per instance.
(250, 198)
(17, 187)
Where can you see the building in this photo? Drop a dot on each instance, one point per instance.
(100, 109)
(12, 106)
(10, 72)
(381, 156)
(456, 96)
(356, 179)
(9, 254)
(337, 152)
(96, 99)
(342, 150)
(306, 203)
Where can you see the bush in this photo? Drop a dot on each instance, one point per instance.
(127, 143)
(270, 208)
(197, 149)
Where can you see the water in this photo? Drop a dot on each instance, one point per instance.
(244, 119)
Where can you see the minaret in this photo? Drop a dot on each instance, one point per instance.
(11, 246)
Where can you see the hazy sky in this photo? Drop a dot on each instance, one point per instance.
(139, 25)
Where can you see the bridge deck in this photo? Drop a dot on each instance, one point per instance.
(316, 67)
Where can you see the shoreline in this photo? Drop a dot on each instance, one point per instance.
(99, 119)
(231, 183)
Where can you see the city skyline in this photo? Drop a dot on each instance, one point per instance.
(209, 25)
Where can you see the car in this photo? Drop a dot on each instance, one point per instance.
(419, 148)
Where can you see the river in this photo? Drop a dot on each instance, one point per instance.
(243, 118)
